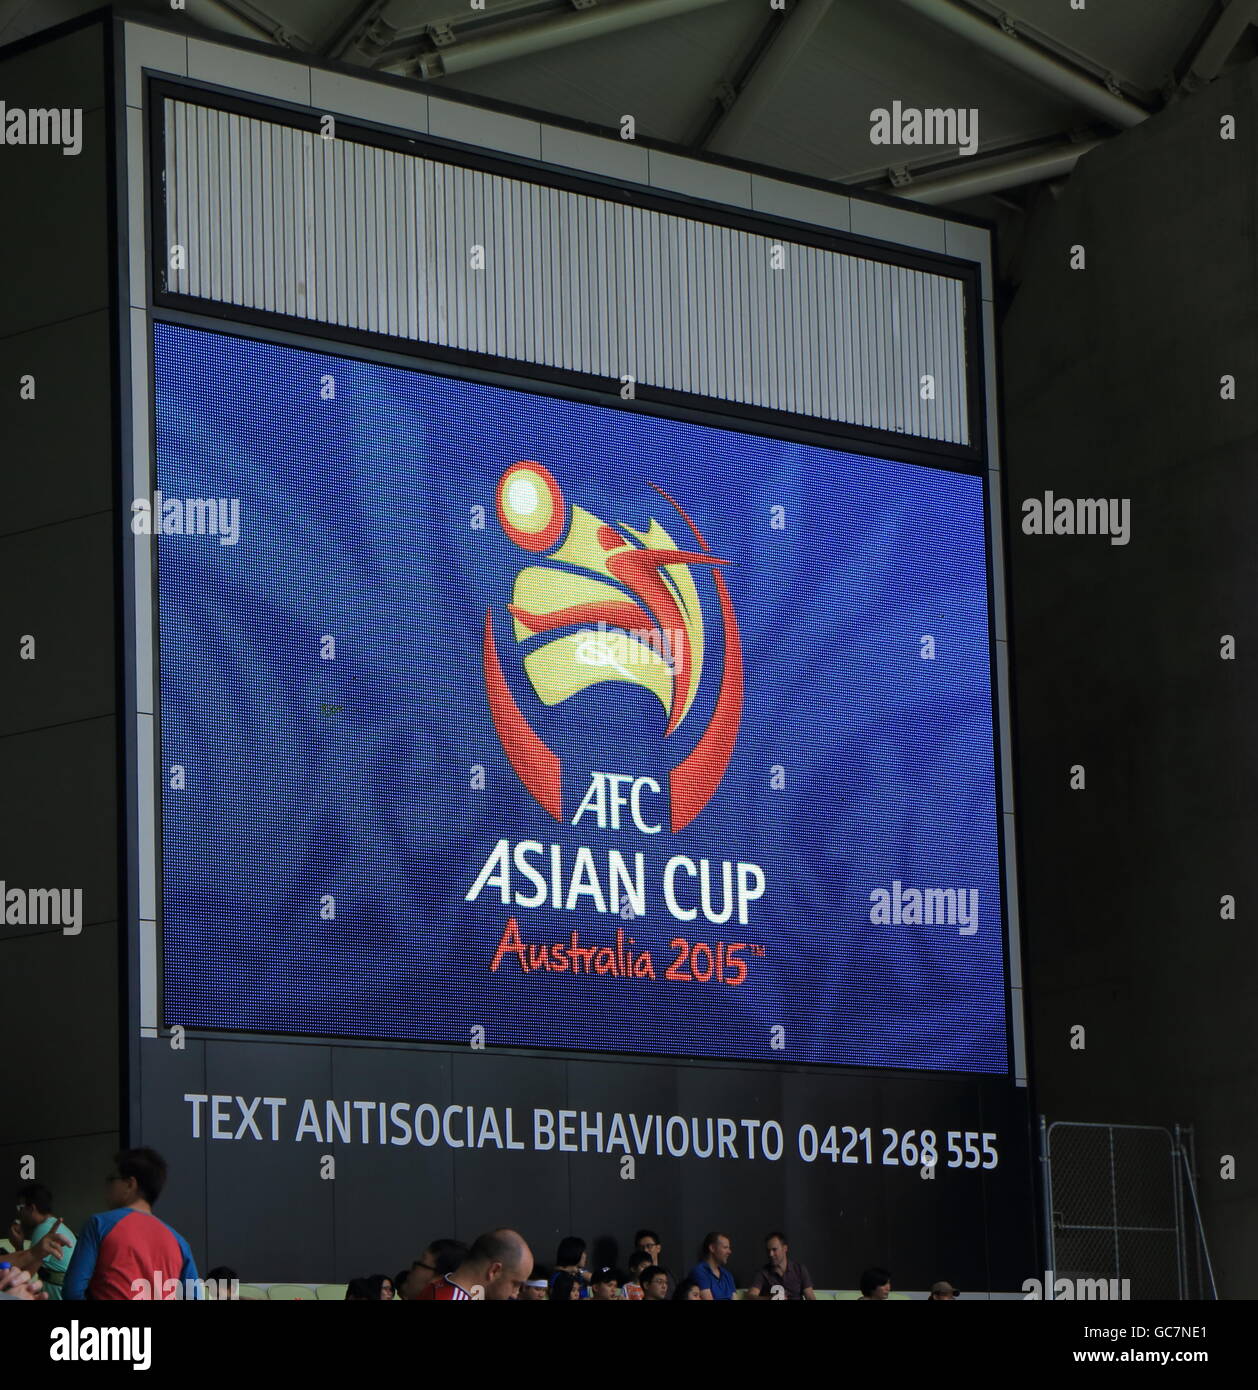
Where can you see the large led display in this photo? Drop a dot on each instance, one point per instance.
(489, 716)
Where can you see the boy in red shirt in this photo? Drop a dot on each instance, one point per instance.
(128, 1254)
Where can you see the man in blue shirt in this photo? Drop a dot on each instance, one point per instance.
(713, 1279)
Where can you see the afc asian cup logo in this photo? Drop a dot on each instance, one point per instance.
(610, 604)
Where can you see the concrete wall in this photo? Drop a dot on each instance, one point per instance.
(58, 813)
(1112, 378)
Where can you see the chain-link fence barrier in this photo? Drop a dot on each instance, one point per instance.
(1119, 1209)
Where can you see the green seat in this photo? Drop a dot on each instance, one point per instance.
(331, 1291)
(291, 1293)
(251, 1291)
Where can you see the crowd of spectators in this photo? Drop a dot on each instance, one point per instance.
(127, 1253)
(500, 1265)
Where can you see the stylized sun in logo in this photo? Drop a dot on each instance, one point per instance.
(624, 606)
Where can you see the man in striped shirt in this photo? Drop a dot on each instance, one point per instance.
(496, 1268)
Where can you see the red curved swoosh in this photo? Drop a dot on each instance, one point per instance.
(535, 765)
(639, 570)
(694, 780)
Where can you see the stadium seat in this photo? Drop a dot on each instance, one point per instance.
(291, 1293)
(330, 1292)
(251, 1291)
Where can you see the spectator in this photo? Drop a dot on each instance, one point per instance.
(360, 1291)
(714, 1280)
(875, 1286)
(28, 1261)
(120, 1250)
(399, 1281)
(638, 1261)
(942, 1292)
(534, 1290)
(650, 1242)
(781, 1272)
(17, 1284)
(688, 1292)
(565, 1287)
(570, 1259)
(383, 1286)
(495, 1269)
(223, 1284)
(441, 1257)
(654, 1282)
(34, 1221)
(605, 1286)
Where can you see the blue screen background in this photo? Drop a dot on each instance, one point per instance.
(357, 520)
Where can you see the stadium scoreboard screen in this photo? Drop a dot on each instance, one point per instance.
(583, 726)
